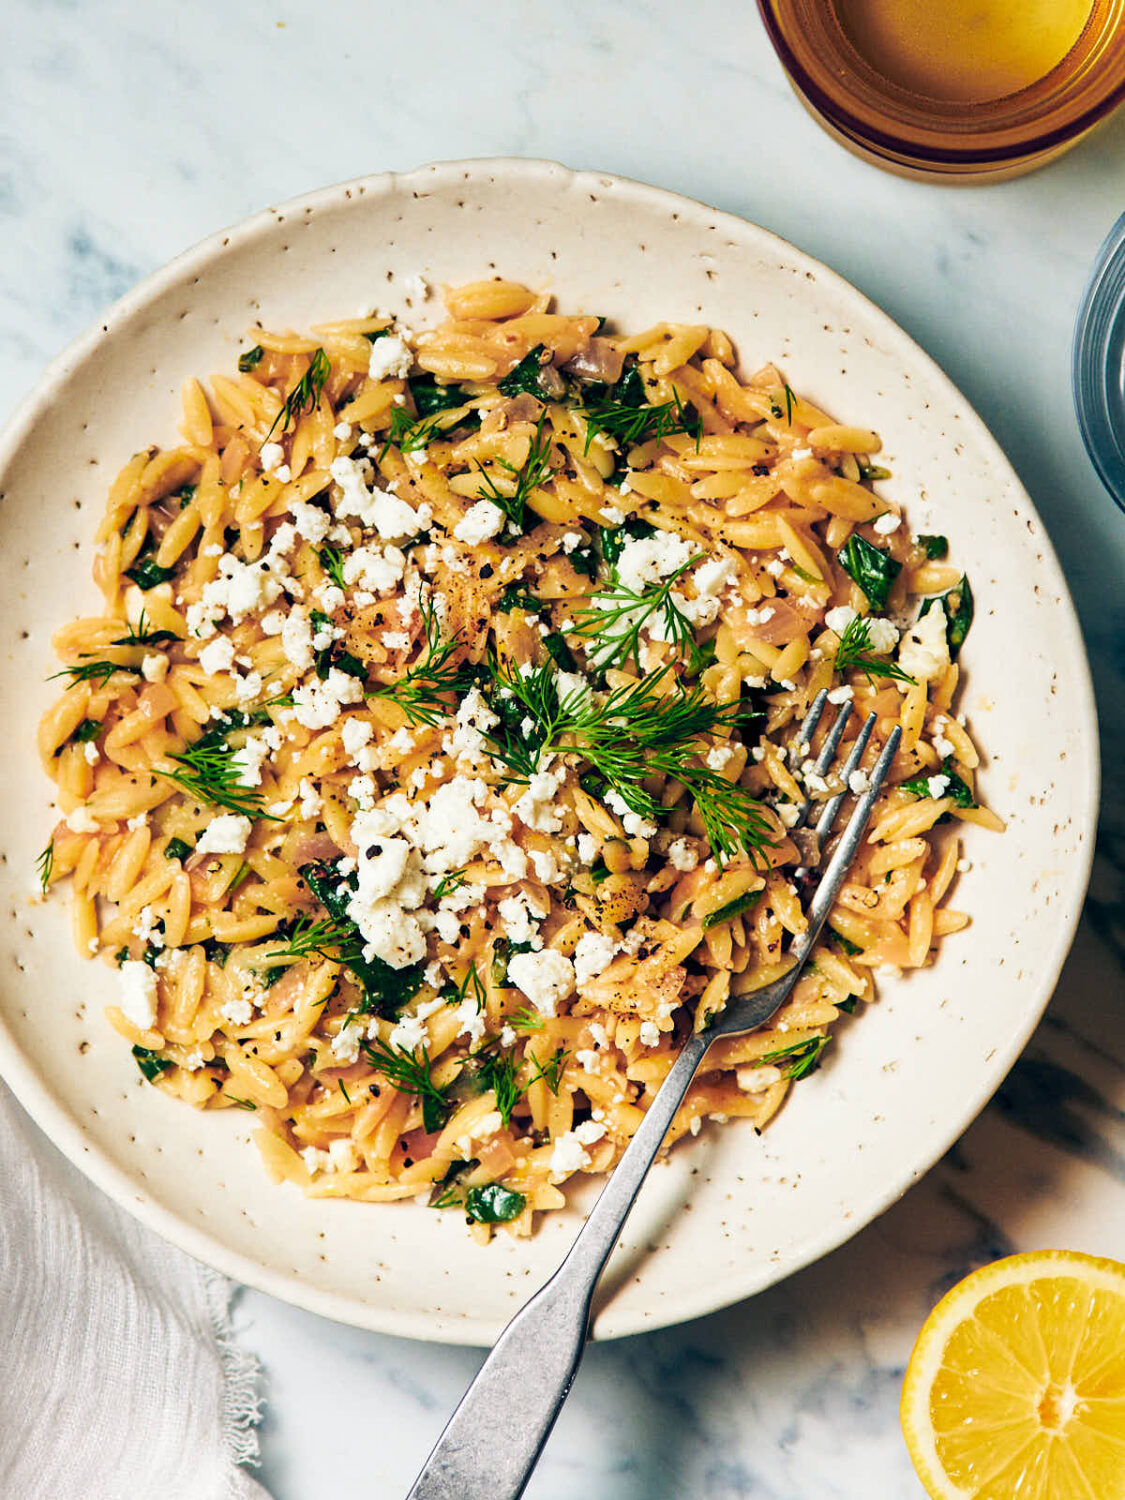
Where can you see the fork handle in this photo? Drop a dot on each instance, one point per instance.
(494, 1438)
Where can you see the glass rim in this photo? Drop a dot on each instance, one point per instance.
(1101, 317)
(905, 145)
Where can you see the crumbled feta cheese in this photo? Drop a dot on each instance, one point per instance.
(649, 1034)
(593, 954)
(138, 994)
(571, 540)
(225, 834)
(842, 694)
(882, 635)
(270, 456)
(345, 1044)
(377, 569)
(342, 431)
(649, 559)
(682, 855)
(241, 589)
(154, 667)
(390, 356)
(409, 1033)
(237, 1012)
(568, 1155)
(635, 826)
(719, 755)
(858, 782)
(885, 524)
(924, 652)
(471, 1019)
(545, 978)
(355, 734)
(937, 785)
(546, 865)
(317, 704)
(587, 848)
(81, 820)
(536, 806)
(90, 751)
(840, 618)
(480, 521)
(342, 1155)
(310, 521)
(521, 923)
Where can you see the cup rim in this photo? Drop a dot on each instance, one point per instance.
(904, 145)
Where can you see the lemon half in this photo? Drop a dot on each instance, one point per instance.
(1015, 1389)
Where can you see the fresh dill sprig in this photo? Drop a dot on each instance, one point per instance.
(526, 1019)
(422, 690)
(411, 434)
(470, 988)
(528, 477)
(449, 883)
(629, 735)
(631, 425)
(209, 771)
(304, 396)
(140, 635)
(800, 1058)
(410, 1073)
(332, 562)
(97, 672)
(44, 864)
(611, 625)
(854, 653)
(499, 1071)
(551, 1070)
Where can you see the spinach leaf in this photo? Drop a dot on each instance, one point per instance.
(505, 950)
(874, 571)
(613, 539)
(385, 990)
(919, 786)
(88, 730)
(251, 359)
(493, 1204)
(146, 573)
(731, 910)
(151, 1063)
(515, 596)
(560, 653)
(430, 397)
(935, 547)
(958, 605)
(526, 376)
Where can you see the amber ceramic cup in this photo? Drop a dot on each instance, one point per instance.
(851, 64)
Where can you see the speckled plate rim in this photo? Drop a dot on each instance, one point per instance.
(703, 1297)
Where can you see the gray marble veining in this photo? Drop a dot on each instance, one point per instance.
(129, 131)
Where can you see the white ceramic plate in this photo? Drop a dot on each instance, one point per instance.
(731, 1213)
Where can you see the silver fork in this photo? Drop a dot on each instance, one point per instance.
(523, 1383)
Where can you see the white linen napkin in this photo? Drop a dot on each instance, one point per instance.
(118, 1374)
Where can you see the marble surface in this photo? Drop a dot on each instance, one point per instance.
(132, 130)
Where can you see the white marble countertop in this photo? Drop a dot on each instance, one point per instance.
(132, 130)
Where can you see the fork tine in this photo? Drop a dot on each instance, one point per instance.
(812, 718)
(833, 878)
(827, 750)
(832, 806)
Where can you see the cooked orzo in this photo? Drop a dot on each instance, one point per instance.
(432, 768)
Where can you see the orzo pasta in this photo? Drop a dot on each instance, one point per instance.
(431, 769)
